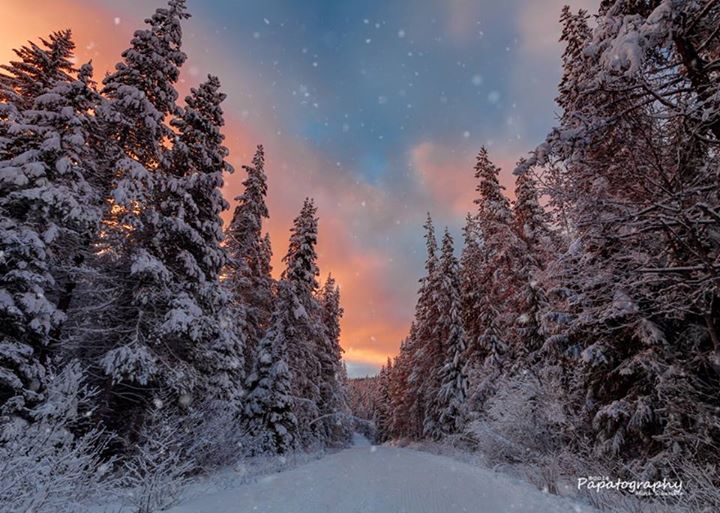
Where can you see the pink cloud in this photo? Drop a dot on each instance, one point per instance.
(539, 26)
(447, 174)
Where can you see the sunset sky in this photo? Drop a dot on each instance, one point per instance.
(374, 108)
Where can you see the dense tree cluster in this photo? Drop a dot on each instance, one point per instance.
(362, 395)
(586, 312)
(118, 279)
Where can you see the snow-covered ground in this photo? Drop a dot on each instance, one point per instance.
(371, 479)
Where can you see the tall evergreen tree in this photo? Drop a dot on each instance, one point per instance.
(383, 415)
(297, 370)
(333, 393)
(301, 274)
(539, 243)
(529, 217)
(49, 209)
(426, 345)
(446, 414)
(575, 34)
(400, 400)
(629, 296)
(269, 406)
(188, 239)
(500, 250)
(248, 269)
(38, 69)
(471, 264)
(121, 340)
(141, 89)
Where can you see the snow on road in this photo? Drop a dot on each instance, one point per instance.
(374, 479)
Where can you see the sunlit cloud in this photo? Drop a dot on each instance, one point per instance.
(448, 175)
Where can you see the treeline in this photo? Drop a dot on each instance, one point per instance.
(363, 397)
(583, 317)
(124, 304)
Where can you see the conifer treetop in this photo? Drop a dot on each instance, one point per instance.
(199, 125)
(38, 68)
(492, 204)
(301, 259)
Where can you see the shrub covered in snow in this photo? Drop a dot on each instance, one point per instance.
(51, 463)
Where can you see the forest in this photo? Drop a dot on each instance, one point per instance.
(576, 332)
(578, 329)
(141, 340)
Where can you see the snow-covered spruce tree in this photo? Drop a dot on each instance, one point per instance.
(85, 146)
(333, 387)
(675, 46)
(575, 35)
(27, 317)
(187, 240)
(531, 224)
(119, 334)
(496, 278)
(400, 400)
(638, 145)
(531, 221)
(49, 210)
(591, 311)
(445, 415)
(425, 347)
(141, 89)
(306, 330)
(269, 412)
(248, 269)
(471, 263)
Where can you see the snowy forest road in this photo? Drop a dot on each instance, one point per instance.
(382, 480)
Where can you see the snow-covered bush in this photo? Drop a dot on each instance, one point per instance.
(177, 445)
(700, 490)
(156, 473)
(218, 438)
(524, 419)
(44, 466)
